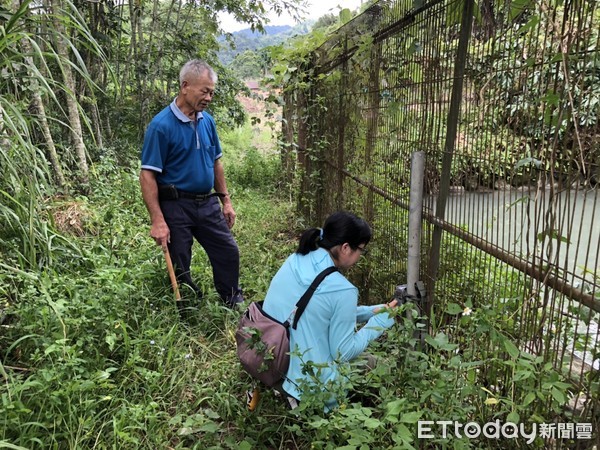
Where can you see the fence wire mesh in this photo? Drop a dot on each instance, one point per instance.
(503, 98)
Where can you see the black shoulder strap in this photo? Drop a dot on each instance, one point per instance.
(301, 305)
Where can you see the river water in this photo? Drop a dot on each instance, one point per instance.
(562, 227)
(545, 226)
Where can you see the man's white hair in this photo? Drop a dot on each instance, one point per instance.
(194, 68)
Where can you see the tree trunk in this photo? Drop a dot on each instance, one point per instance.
(136, 58)
(488, 19)
(95, 70)
(71, 99)
(40, 109)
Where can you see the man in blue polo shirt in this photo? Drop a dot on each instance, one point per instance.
(181, 166)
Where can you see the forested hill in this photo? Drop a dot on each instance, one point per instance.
(248, 40)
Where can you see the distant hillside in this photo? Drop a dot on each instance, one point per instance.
(271, 30)
(247, 39)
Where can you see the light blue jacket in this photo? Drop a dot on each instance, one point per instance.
(326, 332)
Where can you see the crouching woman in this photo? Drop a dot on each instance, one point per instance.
(326, 334)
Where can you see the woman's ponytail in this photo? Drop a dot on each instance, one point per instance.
(309, 241)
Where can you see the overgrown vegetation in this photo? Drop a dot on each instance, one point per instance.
(95, 354)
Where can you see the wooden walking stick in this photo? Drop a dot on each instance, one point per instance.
(172, 276)
(183, 306)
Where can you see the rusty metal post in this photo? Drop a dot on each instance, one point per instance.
(452, 127)
(415, 214)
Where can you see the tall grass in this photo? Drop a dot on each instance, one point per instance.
(27, 236)
(94, 355)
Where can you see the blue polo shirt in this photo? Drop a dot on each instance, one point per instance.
(181, 151)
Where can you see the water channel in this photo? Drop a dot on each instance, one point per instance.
(546, 226)
(563, 227)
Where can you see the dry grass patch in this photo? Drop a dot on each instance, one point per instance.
(72, 217)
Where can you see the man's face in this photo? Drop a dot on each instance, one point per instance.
(198, 92)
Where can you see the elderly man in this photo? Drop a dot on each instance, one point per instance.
(182, 180)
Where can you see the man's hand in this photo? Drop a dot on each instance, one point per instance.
(229, 214)
(160, 233)
(221, 186)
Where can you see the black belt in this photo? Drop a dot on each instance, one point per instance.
(198, 197)
(170, 192)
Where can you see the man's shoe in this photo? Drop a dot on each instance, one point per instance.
(234, 301)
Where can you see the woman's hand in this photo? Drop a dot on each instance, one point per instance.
(391, 304)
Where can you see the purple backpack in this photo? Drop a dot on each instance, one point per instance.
(263, 343)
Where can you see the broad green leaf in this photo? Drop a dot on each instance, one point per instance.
(513, 417)
(431, 341)
(404, 433)
(372, 423)
(512, 349)
(559, 396)
(528, 399)
(454, 308)
(440, 342)
(411, 417)
(394, 408)
(522, 375)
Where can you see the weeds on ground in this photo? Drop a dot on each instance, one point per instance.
(94, 354)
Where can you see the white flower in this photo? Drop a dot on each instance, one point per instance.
(152, 342)
(467, 311)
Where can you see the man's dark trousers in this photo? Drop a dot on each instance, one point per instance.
(203, 220)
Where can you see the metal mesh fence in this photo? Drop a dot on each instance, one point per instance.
(504, 100)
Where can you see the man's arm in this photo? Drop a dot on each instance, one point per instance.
(221, 186)
(159, 230)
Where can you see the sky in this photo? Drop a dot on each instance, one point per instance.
(316, 9)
